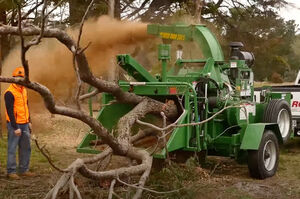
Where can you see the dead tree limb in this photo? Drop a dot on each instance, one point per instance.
(88, 95)
(37, 40)
(120, 145)
(142, 133)
(79, 82)
(111, 189)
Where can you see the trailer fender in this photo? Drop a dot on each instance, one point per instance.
(253, 134)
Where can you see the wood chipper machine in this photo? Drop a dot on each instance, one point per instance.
(215, 96)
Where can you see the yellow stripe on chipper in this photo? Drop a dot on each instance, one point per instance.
(167, 35)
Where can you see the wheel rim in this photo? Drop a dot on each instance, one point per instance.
(269, 155)
(283, 121)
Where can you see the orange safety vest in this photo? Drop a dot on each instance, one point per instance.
(21, 111)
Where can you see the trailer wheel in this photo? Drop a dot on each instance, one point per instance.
(278, 111)
(263, 163)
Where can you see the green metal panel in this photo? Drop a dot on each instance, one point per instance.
(252, 136)
(235, 143)
(153, 90)
(157, 88)
(199, 33)
(164, 52)
(182, 61)
(221, 146)
(110, 115)
(84, 146)
(281, 95)
(133, 68)
(208, 43)
(184, 78)
(178, 137)
(173, 32)
(260, 108)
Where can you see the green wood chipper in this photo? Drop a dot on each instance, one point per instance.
(215, 96)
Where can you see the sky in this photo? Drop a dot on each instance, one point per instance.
(292, 11)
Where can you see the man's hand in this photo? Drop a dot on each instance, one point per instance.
(18, 132)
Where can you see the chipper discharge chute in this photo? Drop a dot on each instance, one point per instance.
(218, 114)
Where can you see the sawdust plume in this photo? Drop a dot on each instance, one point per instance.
(51, 62)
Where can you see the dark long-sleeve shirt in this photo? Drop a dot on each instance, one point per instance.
(9, 103)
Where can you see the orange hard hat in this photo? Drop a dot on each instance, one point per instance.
(18, 72)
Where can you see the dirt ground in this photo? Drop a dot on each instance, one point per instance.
(222, 178)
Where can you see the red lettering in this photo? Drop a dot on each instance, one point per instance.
(295, 104)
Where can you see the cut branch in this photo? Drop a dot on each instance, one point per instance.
(88, 95)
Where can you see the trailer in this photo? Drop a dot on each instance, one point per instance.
(218, 113)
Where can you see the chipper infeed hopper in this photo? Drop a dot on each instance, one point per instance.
(215, 97)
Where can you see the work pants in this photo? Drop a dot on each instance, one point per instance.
(23, 142)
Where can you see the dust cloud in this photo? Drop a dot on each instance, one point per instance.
(51, 62)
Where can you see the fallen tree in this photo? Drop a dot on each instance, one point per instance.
(119, 145)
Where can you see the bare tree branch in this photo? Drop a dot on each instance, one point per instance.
(164, 137)
(141, 134)
(32, 9)
(111, 189)
(146, 189)
(137, 10)
(120, 172)
(74, 187)
(41, 149)
(23, 48)
(189, 124)
(88, 95)
(55, 7)
(142, 182)
(79, 82)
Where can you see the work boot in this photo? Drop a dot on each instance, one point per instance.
(13, 176)
(28, 174)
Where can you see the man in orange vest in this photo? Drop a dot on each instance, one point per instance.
(19, 128)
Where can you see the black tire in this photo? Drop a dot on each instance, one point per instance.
(263, 163)
(278, 111)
